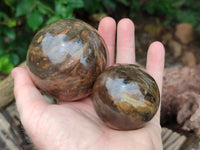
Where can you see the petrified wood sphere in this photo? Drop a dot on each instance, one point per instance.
(65, 57)
(125, 97)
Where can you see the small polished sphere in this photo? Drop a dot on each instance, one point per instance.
(125, 97)
(65, 57)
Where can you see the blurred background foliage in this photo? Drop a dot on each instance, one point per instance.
(21, 19)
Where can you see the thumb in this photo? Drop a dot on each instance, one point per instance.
(30, 103)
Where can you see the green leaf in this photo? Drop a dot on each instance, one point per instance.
(3, 16)
(68, 12)
(76, 3)
(109, 4)
(58, 7)
(43, 8)
(12, 23)
(189, 17)
(14, 59)
(10, 33)
(5, 65)
(34, 20)
(65, 11)
(24, 7)
(1, 45)
(2, 52)
(10, 3)
(52, 19)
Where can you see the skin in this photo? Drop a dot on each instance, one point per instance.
(75, 125)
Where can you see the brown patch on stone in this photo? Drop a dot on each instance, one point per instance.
(64, 31)
(40, 39)
(124, 106)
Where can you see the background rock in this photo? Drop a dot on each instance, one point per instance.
(175, 48)
(166, 38)
(184, 32)
(153, 30)
(181, 99)
(188, 59)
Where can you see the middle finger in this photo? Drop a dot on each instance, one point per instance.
(125, 42)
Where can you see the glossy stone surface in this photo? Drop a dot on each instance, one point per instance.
(65, 57)
(125, 97)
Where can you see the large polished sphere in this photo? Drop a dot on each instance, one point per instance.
(65, 57)
(125, 97)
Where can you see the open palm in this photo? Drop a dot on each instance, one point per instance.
(75, 125)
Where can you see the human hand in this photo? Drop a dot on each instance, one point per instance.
(75, 125)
